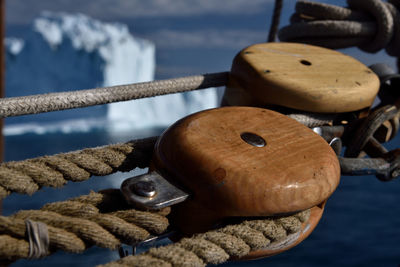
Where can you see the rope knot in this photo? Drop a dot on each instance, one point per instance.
(384, 27)
(371, 25)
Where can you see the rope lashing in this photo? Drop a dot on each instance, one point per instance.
(26, 177)
(370, 25)
(218, 246)
(16, 106)
(38, 237)
(75, 225)
(58, 238)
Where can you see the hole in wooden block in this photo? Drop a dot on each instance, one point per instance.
(305, 62)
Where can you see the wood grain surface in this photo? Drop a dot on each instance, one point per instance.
(226, 176)
(300, 76)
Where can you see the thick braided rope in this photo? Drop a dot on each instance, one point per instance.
(369, 24)
(218, 246)
(15, 106)
(28, 176)
(96, 219)
(79, 223)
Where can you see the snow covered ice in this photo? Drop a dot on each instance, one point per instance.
(64, 52)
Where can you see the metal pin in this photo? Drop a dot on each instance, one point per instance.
(253, 139)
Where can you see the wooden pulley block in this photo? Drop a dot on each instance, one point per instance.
(245, 161)
(300, 76)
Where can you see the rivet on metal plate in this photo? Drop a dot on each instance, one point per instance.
(151, 191)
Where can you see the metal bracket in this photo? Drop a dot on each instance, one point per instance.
(151, 191)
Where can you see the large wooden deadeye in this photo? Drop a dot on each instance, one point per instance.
(244, 161)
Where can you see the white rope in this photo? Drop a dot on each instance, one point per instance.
(16, 106)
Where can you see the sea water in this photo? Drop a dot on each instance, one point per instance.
(360, 225)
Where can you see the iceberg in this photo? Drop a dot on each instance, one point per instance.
(64, 52)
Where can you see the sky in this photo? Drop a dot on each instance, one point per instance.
(191, 36)
(22, 11)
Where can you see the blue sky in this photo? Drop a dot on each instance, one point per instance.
(192, 36)
(22, 11)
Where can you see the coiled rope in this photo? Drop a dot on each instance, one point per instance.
(15, 106)
(370, 25)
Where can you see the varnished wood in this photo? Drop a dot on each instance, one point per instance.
(306, 230)
(205, 154)
(302, 77)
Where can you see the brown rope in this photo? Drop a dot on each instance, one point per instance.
(81, 222)
(27, 177)
(218, 246)
(121, 229)
(12, 249)
(58, 238)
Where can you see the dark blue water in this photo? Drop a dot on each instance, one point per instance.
(360, 226)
